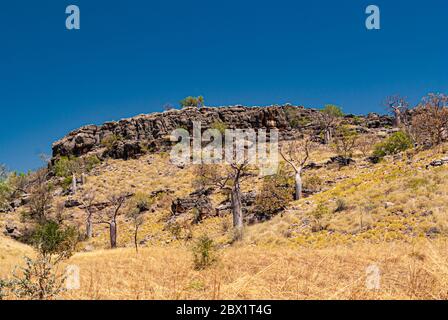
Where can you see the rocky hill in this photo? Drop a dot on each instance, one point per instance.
(154, 129)
(391, 214)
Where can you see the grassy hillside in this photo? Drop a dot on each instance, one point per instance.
(392, 214)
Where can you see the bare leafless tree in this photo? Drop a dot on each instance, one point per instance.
(229, 179)
(138, 205)
(430, 120)
(109, 216)
(296, 154)
(345, 141)
(398, 106)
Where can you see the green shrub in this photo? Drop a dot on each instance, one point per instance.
(396, 143)
(67, 166)
(190, 101)
(313, 183)
(320, 211)
(91, 162)
(274, 195)
(109, 141)
(341, 205)
(220, 126)
(51, 238)
(204, 252)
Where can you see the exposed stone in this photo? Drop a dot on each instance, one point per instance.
(438, 163)
(197, 200)
(341, 160)
(12, 230)
(155, 129)
(70, 203)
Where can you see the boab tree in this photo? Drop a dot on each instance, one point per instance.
(398, 106)
(228, 179)
(328, 118)
(109, 216)
(87, 200)
(296, 154)
(430, 119)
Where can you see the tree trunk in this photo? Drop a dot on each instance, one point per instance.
(74, 183)
(113, 234)
(327, 137)
(89, 226)
(235, 198)
(298, 182)
(397, 114)
(136, 238)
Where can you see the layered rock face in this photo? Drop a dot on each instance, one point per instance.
(154, 129)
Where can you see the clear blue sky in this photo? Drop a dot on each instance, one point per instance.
(131, 57)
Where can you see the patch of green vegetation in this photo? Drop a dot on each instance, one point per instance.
(109, 141)
(204, 252)
(190, 101)
(396, 143)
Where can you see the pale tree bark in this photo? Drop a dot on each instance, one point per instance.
(136, 237)
(296, 156)
(111, 217)
(237, 212)
(327, 136)
(113, 234)
(74, 186)
(89, 226)
(87, 198)
(298, 183)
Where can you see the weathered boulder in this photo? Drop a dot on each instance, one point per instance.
(198, 200)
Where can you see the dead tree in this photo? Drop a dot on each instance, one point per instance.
(296, 154)
(138, 205)
(398, 106)
(109, 216)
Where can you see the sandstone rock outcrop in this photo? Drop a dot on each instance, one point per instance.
(153, 130)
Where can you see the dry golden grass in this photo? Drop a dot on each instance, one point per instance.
(11, 254)
(282, 258)
(408, 271)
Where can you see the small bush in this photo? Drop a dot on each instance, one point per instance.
(313, 183)
(196, 102)
(274, 195)
(341, 205)
(204, 252)
(396, 143)
(66, 166)
(220, 126)
(320, 211)
(50, 238)
(109, 141)
(91, 162)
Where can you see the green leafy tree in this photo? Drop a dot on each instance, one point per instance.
(204, 252)
(39, 278)
(397, 142)
(190, 101)
(328, 118)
